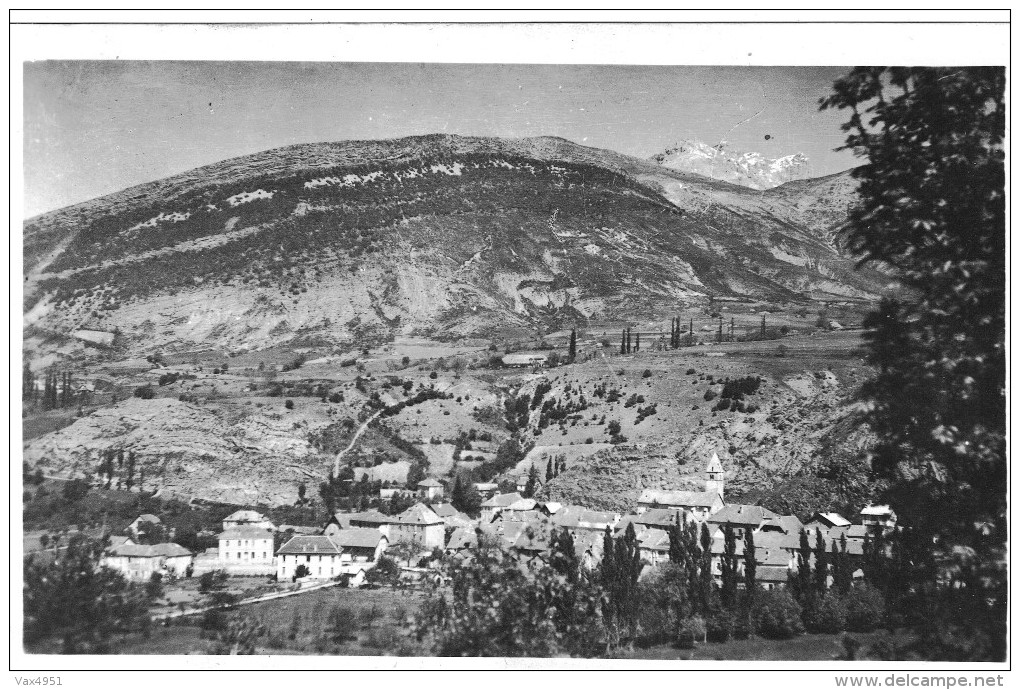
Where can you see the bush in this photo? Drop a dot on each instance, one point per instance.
(777, 615)
(829, 616)
(865, 607)
(336, 398)
(145, 392)
(690, 632)
(646, 374)
(289, 404)
(719, 628)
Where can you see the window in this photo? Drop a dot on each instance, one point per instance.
(264, 555)
(238, 555)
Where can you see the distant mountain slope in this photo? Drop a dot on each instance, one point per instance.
(748, 169)
(436, 235)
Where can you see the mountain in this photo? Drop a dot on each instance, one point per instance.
(722, 163)
(439, 236)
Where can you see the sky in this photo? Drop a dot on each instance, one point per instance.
(96, 127)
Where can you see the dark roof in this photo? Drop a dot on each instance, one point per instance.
(418, 514)
(358, 537)
(443, 509)
(373, 517)
(737, 514)
(659, 517)
(772, 573)
(310, 544)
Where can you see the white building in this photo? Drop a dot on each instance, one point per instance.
(139, 561)
(319, 554)
(878, 516)
(246, 550)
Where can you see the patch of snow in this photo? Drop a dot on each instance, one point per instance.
(153, 222)
(246, 197)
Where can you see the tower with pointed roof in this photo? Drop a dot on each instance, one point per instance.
(715, 478)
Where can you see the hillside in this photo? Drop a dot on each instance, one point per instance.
(435, 236)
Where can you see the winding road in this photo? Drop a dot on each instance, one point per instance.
(361, 430)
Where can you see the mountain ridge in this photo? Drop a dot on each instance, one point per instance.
(429, 235)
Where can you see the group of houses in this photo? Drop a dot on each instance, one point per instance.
(350, 544)
(524, 525)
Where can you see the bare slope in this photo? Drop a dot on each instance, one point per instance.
(438, 235)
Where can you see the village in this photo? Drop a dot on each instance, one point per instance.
(346, 549)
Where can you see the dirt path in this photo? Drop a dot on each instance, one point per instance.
(359, 432)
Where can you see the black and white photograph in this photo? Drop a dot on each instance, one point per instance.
(589, 364)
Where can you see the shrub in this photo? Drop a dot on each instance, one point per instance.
(710, 394)
(691, 371)
(289, 404)
(777, 615)
(865, 607)
(719, 628)
(647, 373)
(690, 632)
(145, 392)
(433, 375)
(829, 616)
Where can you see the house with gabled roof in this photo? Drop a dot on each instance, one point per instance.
(882, 517)
(740, 517)
(360, 545)
(138, 562)
(497, 504)
(319, 554)
(419, 524)
(653, 545)
(826, 521)
(372, 519)
(430, 489)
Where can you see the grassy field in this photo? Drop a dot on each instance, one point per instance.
(376, 622)
(801, 648)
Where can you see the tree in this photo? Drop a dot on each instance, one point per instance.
(492, 606)
(932, 209)
(549, 471)
(637, 342)
(750, 565)
(728, 593)
(302, 489)
(532, 483)
(623, 342)
(572, 352)
(74, 597)
(821, 565)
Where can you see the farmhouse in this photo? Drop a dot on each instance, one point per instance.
(139, 561)
(319, 554)
(418, 525)
(430, 489)
(497, 504)
(879, 516)
(741, 518)
(360, 545)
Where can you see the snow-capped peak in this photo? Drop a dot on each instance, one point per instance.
(750, 169)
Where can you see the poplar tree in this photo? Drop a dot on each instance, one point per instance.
(821, 565)
(728, 592)
(750, 565)
(572, 352)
